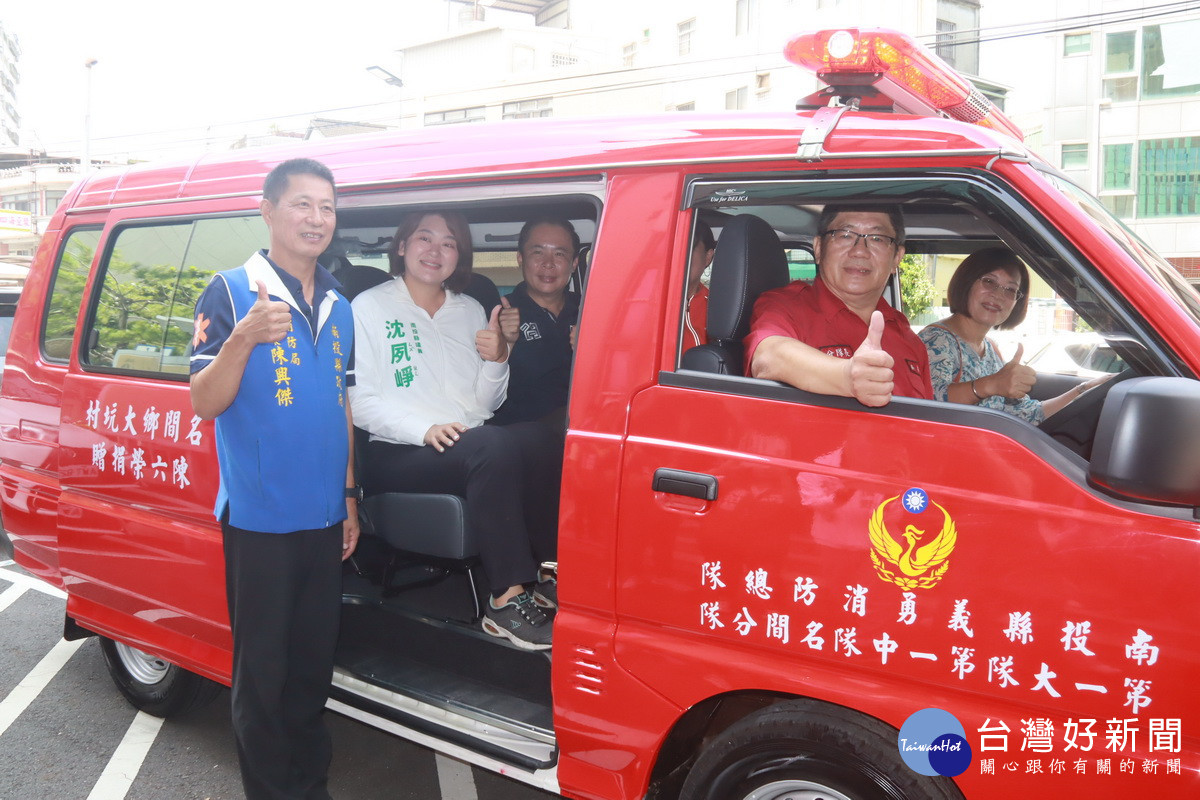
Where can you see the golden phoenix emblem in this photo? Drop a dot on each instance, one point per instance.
(917, 564)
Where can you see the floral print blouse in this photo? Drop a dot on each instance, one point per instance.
(953, 360)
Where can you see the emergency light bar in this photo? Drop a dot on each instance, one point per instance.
(916, 81)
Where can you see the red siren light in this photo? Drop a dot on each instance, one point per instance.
(913, 78)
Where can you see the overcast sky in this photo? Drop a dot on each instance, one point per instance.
(173, 73)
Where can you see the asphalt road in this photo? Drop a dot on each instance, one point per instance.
(66, 733)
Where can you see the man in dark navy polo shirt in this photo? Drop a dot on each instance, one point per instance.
(837, 336)
(540, 362)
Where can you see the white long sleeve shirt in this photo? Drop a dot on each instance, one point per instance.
(413, 371)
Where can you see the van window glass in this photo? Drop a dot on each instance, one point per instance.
(66, 293)
(153, 275)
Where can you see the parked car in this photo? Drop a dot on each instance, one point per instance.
(1086, 355)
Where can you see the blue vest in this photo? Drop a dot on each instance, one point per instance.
(282, 444)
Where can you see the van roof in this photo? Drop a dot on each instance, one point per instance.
(545, 146)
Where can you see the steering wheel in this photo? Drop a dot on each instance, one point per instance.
(1074, 426)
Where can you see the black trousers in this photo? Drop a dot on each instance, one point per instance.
(510, 477)
(284, 592)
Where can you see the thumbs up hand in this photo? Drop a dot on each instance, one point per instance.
(869, 370)
(1013, 380)
(510, 321)
(267, 321)
(490, 342)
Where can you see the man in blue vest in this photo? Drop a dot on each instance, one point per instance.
(271, 361)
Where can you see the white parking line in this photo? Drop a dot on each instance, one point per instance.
(10, 594)
(32, 684)
(127, 760)
(28, 581)
(455, 778)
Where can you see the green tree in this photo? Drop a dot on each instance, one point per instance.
(917, 292)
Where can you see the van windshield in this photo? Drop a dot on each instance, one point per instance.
(1155, 265)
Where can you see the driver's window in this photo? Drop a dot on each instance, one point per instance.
(1073, 327)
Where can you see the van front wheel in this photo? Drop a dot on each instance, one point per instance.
(153, 685)
(807, 749)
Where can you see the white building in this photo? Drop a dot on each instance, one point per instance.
(1110, 90)
(587, 57)
(29, 195)
(10, 120)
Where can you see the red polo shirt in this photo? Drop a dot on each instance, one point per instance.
(817, 317)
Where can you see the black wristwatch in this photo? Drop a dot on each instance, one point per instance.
(355, 492)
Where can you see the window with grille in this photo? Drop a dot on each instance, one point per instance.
(1168, 177)
(1077, 44)
(1118, 167)
(455, 116)
(685, 30)
(1075, 155)
(529, 109)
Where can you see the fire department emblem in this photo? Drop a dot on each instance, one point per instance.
(923, 557)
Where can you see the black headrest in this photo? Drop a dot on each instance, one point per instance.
(357, 278)
(749, 261)
(483, 289)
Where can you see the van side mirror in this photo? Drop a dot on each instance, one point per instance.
(1147, 444)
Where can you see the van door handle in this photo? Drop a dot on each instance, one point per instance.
(688, 484)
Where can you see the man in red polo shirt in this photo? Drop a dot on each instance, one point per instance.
(837, 336)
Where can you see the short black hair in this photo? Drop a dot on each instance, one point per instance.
(560, 222)
(980, 263)
(277, 179)
(830, 212)
(704, 235)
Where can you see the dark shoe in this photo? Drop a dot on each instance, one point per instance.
(520, 621)
(545, 593)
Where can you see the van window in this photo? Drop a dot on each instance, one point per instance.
(946, 219)
(153, 275)
(66, 293)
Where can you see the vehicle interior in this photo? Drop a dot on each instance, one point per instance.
(413, 588)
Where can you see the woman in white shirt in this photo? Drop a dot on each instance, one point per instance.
(430, 368)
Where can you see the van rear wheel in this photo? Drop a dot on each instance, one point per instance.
(807, 750)
(153, 685)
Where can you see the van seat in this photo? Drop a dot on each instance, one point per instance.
(423, 528)
(433, 525)
(749, 261)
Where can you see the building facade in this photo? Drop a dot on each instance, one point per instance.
(585, 57)
(10, 77)
(1109, 90)
(29, 194)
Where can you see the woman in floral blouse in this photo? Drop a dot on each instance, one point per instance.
(990, 289)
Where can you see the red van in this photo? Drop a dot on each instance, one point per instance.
(750, 606)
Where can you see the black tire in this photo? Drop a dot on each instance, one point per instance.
(153, 685)
(804, 749)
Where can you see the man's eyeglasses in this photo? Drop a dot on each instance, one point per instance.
(846, 238)
(993, 286)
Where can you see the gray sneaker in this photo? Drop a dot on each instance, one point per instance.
(545, 593)
(520, 621)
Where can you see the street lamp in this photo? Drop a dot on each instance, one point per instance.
(391, 80)
(86, 161)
